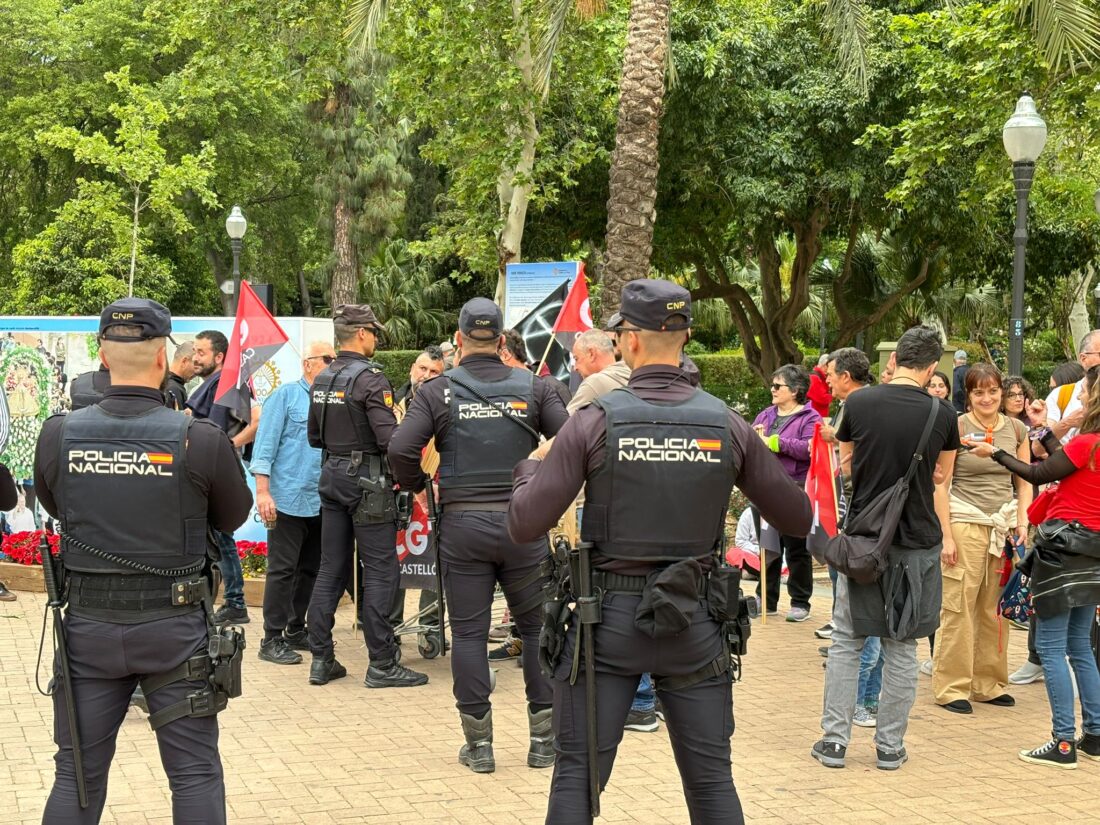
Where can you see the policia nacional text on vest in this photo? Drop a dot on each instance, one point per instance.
(151, 572)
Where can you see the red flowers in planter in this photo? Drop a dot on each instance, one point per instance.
(253, 555)
(23, 548)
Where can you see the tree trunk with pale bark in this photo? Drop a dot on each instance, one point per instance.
(632, 196)
(344, 286)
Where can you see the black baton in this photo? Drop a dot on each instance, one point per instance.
(588, 613)
(53, 594)
(433, 522)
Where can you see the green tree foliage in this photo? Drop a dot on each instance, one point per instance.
(406, 295)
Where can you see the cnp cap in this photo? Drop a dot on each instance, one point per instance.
(154, 319)
(480, 318)
(660, 306)
(356, 315)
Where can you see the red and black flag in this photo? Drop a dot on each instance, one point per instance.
(575, 316)
(537, 330)
(823, 490)
(256, 338)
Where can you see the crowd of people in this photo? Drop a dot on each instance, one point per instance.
(338, 455)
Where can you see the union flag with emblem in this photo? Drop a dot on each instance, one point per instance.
(256, 338)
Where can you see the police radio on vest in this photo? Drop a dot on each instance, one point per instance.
(120, 463)
(644, 448)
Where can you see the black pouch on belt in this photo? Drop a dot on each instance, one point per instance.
(669, 600)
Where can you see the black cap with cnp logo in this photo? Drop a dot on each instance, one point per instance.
(154, 320)
(612, 322)
(660, 306)
(481, 319)
(356, 315)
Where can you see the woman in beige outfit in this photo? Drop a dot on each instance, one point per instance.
(971, 659)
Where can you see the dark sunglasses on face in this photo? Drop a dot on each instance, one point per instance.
(328, 359)
(778, 386)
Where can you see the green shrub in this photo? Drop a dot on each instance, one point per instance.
(730, 378)
(396, 364)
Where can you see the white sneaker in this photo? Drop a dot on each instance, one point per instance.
(1027, 674)
(864, 718)
(798, 614)
(926, 667)
(825, 631)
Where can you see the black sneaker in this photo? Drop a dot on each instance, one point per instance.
(227, 614)
(643, 721)
(391, 674)
(1088, 746)
(511, 649)
(891, 761)
(829, 754)
(297, 641)
(324, 669)
(825, 631)
(278, 652)
(1058, 753)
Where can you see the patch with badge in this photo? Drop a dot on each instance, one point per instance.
(387, 396)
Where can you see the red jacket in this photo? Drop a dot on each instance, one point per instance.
(818, 395)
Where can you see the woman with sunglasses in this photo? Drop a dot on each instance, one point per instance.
(786, 428)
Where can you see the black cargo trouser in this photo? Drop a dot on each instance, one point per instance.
(293, 558)
(699, 717)
(377, 545)
(106, 660)
(800, 578)
(476, 553)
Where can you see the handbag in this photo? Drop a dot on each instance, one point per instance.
(1015, 601)
(859, 550)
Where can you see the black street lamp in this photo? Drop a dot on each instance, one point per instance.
(1024, 135)
(235, 227)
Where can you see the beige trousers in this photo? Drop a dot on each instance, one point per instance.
(971, 659)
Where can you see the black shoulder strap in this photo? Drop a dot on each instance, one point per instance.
(507, 413)
(918, 456)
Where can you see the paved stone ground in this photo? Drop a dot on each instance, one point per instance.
(300, 754)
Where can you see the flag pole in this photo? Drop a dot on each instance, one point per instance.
(546, 354)
(763, 577)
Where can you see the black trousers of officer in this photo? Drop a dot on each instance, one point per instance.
(477, 553)
(105, 660)
(377, 545)
(293, 558)
(699, 717)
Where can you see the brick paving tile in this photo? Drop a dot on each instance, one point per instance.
(298, 754)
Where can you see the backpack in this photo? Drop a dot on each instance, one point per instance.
(1015, 601)
(860, 550)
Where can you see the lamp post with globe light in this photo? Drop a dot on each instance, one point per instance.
(1024, 135)
(235, 227)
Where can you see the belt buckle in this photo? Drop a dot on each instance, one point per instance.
(189, 592)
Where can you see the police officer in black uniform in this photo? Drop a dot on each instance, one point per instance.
(351, 419)
(484, 416)
(136, 487)
(89, 387)
(658, 459)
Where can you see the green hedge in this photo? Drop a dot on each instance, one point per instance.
(724, 375)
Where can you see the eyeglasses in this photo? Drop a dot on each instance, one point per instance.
(627, 329)
(328, 359)
(1015, 396)
(778, 386)
(1089, 352)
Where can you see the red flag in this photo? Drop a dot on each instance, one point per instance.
(576, 313)
(821, 488)
(256, 338)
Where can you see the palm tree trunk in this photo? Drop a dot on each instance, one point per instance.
(633, 178)
(344, 288)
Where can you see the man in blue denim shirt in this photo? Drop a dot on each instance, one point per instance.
(287, 471)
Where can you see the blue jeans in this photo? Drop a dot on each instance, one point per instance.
(232, 575)
(870, 673)
(645, 697)
(1055, 638)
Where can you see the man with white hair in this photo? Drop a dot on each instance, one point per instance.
(1064, 423)
(594, 359)
(181, 371)
(287, 471)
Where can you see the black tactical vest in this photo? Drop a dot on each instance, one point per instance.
(481, 447)
(343, 422)
(88, 388)
(664, 487)
(124, 489)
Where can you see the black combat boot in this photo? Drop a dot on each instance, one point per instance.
(541, 752)
(324, 669)
(477, 753)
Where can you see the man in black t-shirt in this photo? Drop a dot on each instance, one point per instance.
(880, 432)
